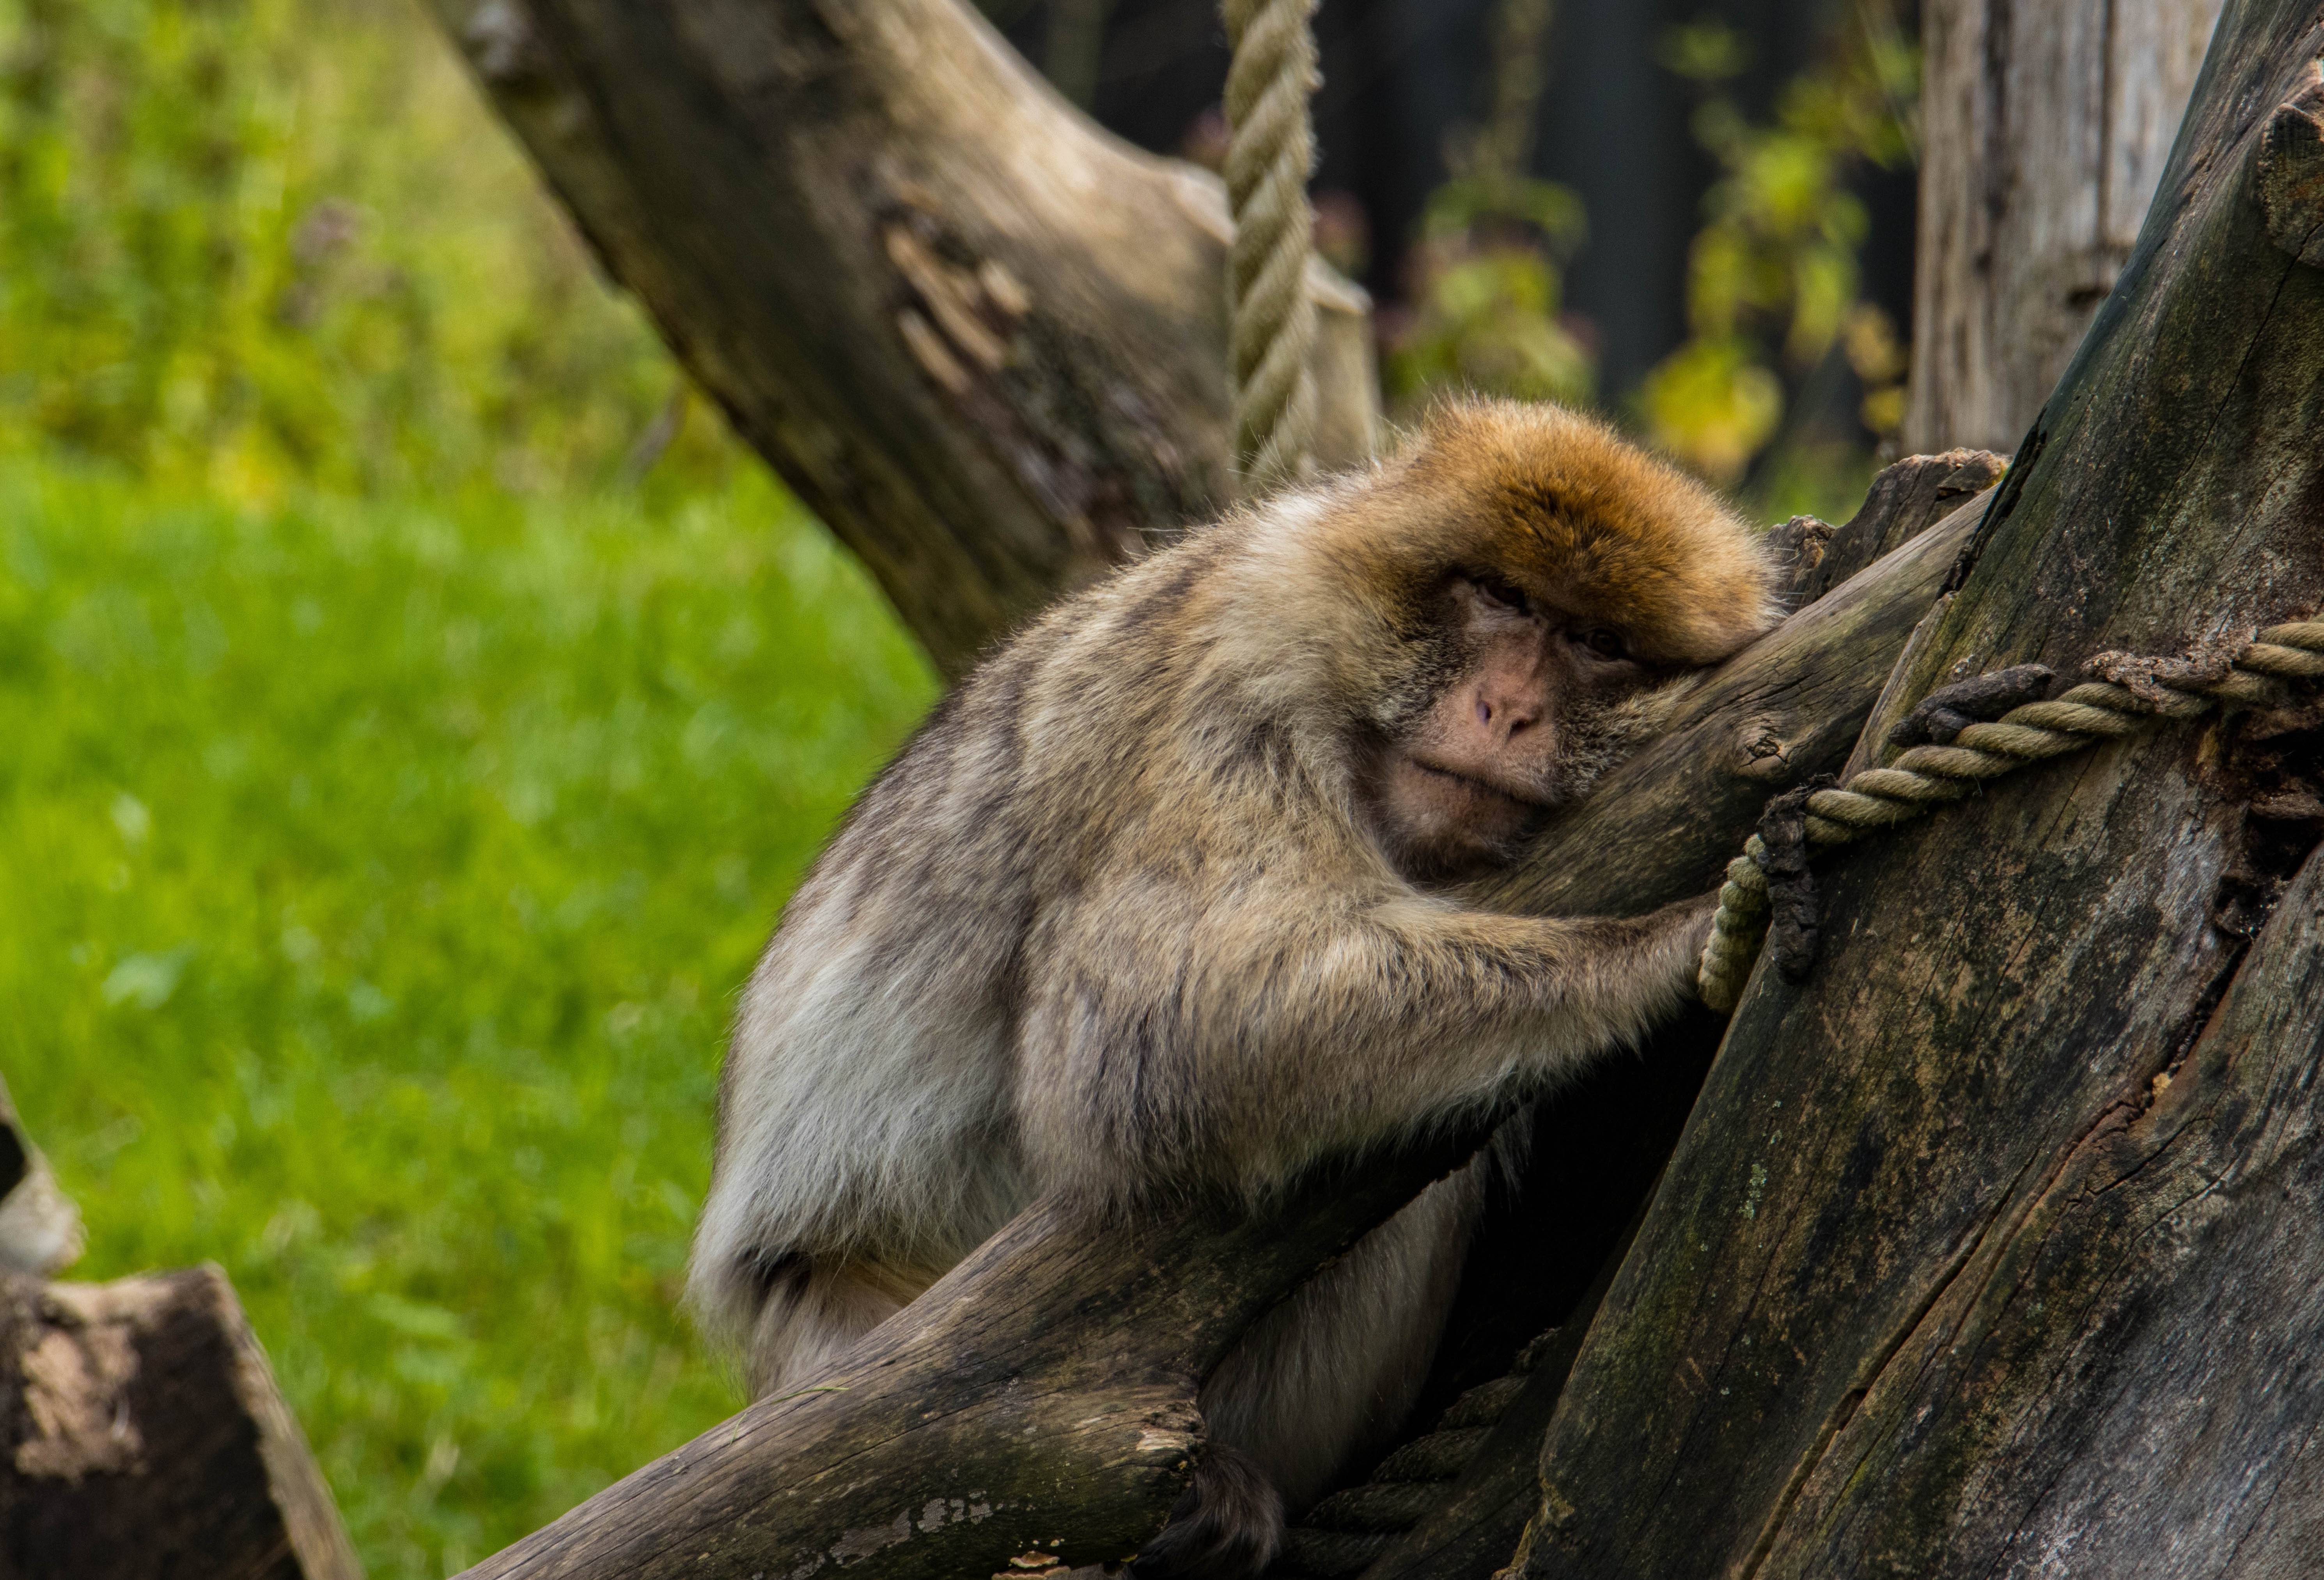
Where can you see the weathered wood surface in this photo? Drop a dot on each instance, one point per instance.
(145, 1438)
(1039, 1400)
(982, 338)
(1991, 1249)
(2044, 126)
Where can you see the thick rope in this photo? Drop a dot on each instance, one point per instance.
(1926, 777)
(1273, 148)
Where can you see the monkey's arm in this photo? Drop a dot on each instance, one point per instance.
(1242, 1042)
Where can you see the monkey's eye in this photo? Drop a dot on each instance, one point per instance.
(1603, 641)
(1498, 591)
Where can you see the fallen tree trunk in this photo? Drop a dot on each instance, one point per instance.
(1040, 1399)
(1991, 1249)
(982, 339)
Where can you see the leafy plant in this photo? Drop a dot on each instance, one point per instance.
(234, 258)
(1771, 277)
(1484, 274)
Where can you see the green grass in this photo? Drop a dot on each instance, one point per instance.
(374, 880)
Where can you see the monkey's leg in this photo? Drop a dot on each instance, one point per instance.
(1326, 1377)
(811, 1311)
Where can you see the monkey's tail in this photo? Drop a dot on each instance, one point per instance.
(1227, 1526)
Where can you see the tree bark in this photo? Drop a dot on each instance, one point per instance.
(980, 337)
(145, 1437)
(1990, 1249)
(2044, 126)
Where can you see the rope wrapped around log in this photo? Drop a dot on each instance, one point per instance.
(1925, 778)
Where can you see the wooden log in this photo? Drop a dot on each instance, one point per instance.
(146, 1437)
(2044, 126)
(1987, 1250)
(985, 340)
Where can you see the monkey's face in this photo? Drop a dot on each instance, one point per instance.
(1517, 706)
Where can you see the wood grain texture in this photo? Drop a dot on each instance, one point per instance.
(1948, 1275)
(2045, 125)
(982, 338)
(145, 1437)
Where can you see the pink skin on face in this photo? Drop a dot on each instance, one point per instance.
(1480, 769)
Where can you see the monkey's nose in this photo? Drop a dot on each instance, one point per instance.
(1504, 715)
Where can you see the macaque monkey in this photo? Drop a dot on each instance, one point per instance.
(1168, 895)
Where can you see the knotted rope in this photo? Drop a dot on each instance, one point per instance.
(1273, 148)
(1925, 778)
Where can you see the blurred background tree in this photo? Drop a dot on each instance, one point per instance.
(1698, 215)
(418, 705)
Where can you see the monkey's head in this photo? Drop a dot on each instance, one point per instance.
(1522, 579)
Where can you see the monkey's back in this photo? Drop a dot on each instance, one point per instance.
(868, 1105)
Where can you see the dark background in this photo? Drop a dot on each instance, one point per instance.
(1399, 75)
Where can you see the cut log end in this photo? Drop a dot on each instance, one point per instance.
(146, 1437)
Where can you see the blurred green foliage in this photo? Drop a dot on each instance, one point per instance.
(1484, 274)
(1486, 296)
(414, 717)
(1773, 281)
(240, 260)
(374, 878)
(1772, 278)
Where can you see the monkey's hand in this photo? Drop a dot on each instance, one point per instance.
(1700, 913)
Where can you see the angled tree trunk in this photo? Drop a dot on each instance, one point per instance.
(1992, 1248)
(982, 338)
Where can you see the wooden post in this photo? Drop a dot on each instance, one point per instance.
(2044, 126)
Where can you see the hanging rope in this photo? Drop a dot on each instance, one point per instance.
(1273, 320)
(1925, 778)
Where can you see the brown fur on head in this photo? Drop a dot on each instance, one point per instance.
(1506, 553)
(1574, 514)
